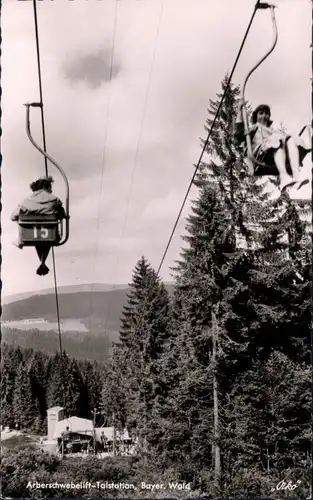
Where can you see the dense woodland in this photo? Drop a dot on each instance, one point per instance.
(77, 344)
(215, 382)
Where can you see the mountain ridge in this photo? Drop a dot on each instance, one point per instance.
(97, 287)
(86, 316)
(86, 287)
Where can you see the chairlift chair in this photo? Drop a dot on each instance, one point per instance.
(48, 229)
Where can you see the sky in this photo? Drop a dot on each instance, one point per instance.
(128, 143)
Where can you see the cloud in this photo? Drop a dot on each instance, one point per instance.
(94, 69)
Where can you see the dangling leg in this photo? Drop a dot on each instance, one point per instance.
(280, 160)
(45, 252)
(305, 139)
(42, 250)
(294, 159)
(18, 244)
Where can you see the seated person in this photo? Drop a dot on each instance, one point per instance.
(270, 146)
(41, 202)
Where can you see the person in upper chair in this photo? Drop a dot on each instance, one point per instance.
(275, 147)
(41, 202)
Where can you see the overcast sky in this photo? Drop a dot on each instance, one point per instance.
(140, 132)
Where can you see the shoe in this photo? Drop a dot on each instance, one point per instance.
(287, 182)
(307, 137)
(42, 270)
(302, 179)
(303, 183)
(18, 245)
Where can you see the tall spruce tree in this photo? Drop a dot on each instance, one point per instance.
(138, 287)
(205, 279)
(155, 328)
(25, 406)
(66, 385)
(143, 333)
(74, 390)
(234, 286)
(38, 378)
(11, 359)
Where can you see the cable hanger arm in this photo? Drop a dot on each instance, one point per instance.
(243, 105)
(46, 155)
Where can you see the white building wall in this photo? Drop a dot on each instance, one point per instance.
(54, 415)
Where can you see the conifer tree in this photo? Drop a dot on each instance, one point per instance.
(114, 396)
(57, 379)
(38, 379)
(280, 284)
(11, 359)
(25, 407)
(267, 426)
(205, 278)
(92, 388)
(143, 333)
(138, 287)
(74, 387)
(66, 385)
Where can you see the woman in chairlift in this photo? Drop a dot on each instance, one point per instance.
(41, 202)
(275, 147)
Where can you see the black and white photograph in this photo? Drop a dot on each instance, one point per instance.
(156, 249)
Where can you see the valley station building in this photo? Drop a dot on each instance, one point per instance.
(78, 435)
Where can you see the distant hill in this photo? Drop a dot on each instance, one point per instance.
(99, 312)
(88, 313)
(85, 287)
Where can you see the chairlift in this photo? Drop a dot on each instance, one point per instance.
(44, 229)
(263, 164)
